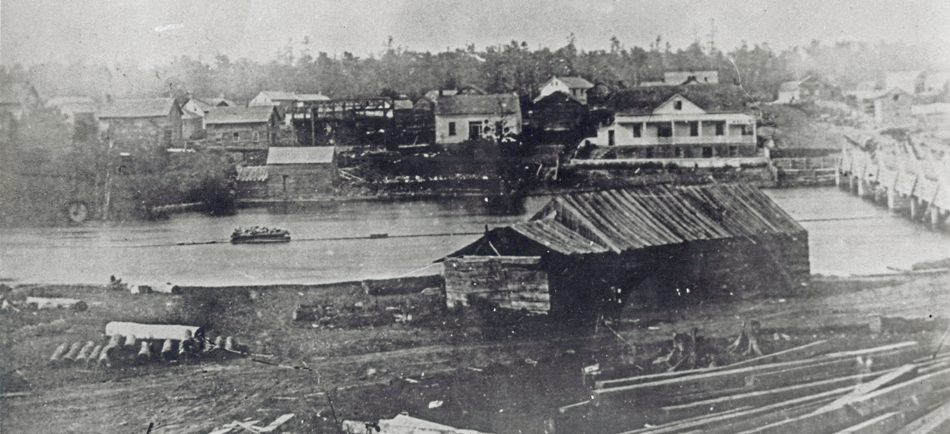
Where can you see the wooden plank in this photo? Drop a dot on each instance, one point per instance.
(882, 424)
(869, 405)
(764, 397)
(903, 373)
(728, 379)
(733, 422)
(930, 422)
(802, 352)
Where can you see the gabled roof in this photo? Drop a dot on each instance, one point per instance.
(575, 82)
(478, 104)
(138, 108)
(307, 97)
(219, 102)
(61, 101)
(300, 155)
(433, 95)
(624, 220)
(277, 95)
(709, 97)
(239, 115)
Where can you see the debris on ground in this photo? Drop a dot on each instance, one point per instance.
(251, 425)
(401, 424)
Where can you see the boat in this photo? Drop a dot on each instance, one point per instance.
(258, 234)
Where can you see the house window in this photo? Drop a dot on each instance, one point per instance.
(747, 130)
(677, 105)
(636, 130)
(451, 128)
(218, 138)
(474, 130)
(707, 151)
(720, 128)
(897, 97)
(733, 151)
(678, 151)
(664, 130)
(257, 136)
(694, 128)
(611, 140)
(649, 152)
(236, 135)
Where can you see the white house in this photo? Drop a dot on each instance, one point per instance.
(575, 87)
(661, 122)
(462, 117)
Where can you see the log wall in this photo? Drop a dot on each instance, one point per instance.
(514, 282)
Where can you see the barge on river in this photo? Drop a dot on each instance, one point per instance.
(257, 235)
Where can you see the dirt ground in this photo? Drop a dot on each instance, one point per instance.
(355, 361)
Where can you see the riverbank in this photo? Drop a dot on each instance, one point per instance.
(358, 354)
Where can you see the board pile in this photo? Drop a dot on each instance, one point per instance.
(813, 389)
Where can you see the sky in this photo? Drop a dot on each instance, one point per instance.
(150, 32)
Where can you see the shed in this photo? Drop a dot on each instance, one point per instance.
(143, 123)
(242, 128)
(300, 172)
(653, 244)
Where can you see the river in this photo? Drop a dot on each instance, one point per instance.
(847, 235)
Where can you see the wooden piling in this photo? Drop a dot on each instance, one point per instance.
(57, 356)
(94, 355)
(84, 351)
(73, 352)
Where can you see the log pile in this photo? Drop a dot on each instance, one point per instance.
(891, 388)
(130, 343)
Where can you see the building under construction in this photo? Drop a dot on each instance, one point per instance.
(587, 254)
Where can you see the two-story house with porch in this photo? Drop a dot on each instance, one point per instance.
(694, 121)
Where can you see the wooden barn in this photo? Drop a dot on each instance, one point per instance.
(593, 252)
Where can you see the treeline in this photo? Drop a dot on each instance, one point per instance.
(512, 67)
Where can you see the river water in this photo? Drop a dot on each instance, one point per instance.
(847, 235)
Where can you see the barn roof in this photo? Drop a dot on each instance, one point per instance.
(477, 104)
(624, 220)
(709, 97)
(576, 82)
(138, 108)
(252, 173)
(300, 155)
(239, 115)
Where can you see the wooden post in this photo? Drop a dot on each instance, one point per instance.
(838, 177)
(851, 180)
(890, 199)
(934, 216)
(861, 188)
(914, 208)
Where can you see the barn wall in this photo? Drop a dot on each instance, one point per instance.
(514, 282)
(300, 181)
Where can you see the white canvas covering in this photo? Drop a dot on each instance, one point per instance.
(152, 331)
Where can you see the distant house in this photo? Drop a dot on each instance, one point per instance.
(433, 95)
(682, 78)
(143, 123)
(557, 118)
(300, 172)
(889, 108)
(68, 106)
(575, 87)
(16, 99)
(809, 89)
(285, 101)
(679, 122)
(242, 129)
(789, 92)
(911, 82)
(462, 117)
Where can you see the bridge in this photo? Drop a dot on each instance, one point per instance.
(910, 178)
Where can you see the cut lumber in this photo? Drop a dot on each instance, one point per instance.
(932, 422)
(733, 422)
(882, 424)
(763, 397)
(867, 406)
(903, 351)
(903, 373)
(798, 353)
